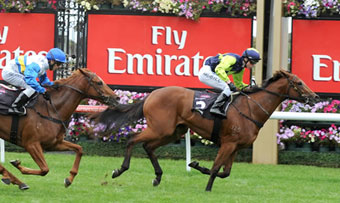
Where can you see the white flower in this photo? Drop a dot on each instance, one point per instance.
(88, 6)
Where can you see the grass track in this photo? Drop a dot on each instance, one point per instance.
(247, 183)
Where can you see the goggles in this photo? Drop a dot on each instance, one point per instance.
(253, 61)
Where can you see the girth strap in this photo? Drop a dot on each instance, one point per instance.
(50, 118)
(216, 129)
(14, 129)
(257, 123)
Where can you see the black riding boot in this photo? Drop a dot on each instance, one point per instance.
(18, 105)
(218, 104)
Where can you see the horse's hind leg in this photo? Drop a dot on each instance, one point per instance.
(158, 170)
(9, 178)
(154, 144)
(126, 163)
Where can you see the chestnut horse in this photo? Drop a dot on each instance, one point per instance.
(169, 114)
(43, 128)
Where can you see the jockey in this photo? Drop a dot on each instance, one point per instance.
(23, 72)
(215, 73)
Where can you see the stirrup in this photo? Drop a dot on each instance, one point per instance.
(19, 111)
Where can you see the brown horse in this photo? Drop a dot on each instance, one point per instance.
(169, 114)
(43, 128)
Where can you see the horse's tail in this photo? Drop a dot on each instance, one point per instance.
(120, 115)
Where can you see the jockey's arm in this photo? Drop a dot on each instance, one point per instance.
(31, 74)
(223, 66)
(238, 80)
(44, 80)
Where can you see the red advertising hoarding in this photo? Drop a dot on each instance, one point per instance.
(25, 33)
(316, 54)
(128, 50)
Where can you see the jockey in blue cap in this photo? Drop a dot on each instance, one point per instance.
(23, 72)
(215, 73)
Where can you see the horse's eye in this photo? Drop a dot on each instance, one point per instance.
(299, 83)
(100, 83)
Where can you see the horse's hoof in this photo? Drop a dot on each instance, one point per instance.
(15, 163)
(115, 173)
(155, 182)
(7, 181)
(23, 186)
(193, 164)
(67, 182)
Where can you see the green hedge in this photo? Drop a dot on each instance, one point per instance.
(200, 152)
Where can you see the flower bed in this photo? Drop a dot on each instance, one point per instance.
(191, 9)
(311, 8)
(321, 134)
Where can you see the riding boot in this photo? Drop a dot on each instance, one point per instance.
(217, 107)
(18, 106)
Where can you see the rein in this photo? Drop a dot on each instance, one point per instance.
(59, 121)
(285, 96)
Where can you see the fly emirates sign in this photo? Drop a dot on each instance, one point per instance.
(29, 33)
(160, 51)
(316, 54)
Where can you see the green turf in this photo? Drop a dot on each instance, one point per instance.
(247, 183)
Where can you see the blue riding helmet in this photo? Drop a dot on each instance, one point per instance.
(252, 54)
(57, 55)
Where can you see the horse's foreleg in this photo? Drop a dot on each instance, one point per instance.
(155, 164)
(227, 167)
(196, 166)
(9, 178)
(224, 154)
(68, 146)
(36, 152)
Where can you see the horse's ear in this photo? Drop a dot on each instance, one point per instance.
(83, 71)
(284, 72)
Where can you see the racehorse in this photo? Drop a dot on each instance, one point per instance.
(43, 128)
(168, 112)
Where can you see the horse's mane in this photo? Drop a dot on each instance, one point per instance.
(74, 74)
(266, 83)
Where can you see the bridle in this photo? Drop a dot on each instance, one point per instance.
(105, 99)
(91, 83)
(291, 84)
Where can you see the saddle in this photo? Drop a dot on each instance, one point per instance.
(7, 96)
(203, 101)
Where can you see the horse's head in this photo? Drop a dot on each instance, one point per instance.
(97, 89)
(298, 90)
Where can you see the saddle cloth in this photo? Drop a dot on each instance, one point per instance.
(8, 95)
(203, 102)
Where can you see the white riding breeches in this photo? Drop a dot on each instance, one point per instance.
(208, 77)
(15, 78)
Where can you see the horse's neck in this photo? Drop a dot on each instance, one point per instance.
(66, 101)
(268, 101)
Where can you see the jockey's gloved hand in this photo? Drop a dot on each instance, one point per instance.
(55, 86)
(47, 96)
(232, 87)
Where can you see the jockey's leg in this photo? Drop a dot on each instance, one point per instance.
(219, 102)
(19, 103)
